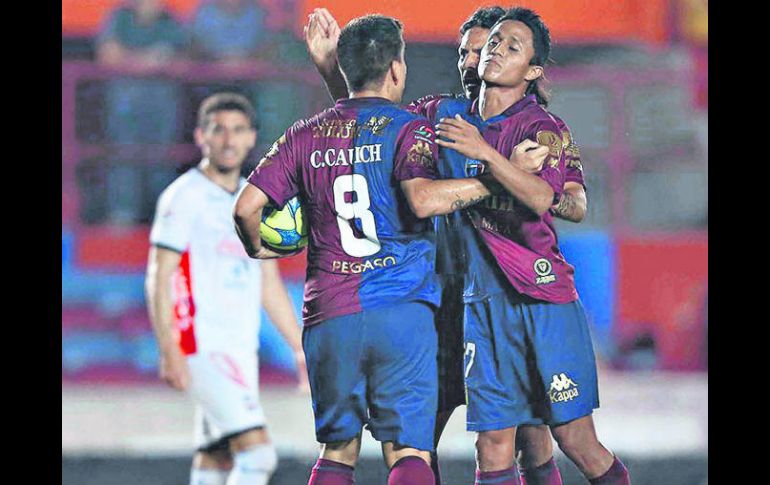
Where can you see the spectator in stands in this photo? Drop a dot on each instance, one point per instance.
(229, 30)
(140, 35)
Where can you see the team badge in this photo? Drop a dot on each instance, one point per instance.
(554, 144)
(544, 271)
(473, 168)
(562, 389)
(421, 153)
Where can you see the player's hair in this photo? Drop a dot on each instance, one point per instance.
(225, 102)
(541, 39)
(366, 48)
(485, 17)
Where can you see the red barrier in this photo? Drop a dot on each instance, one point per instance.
(662, 289)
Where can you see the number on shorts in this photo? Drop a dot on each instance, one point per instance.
(348, 211)
(470, 348)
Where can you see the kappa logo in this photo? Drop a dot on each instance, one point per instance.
(562, 389)
(543, 268)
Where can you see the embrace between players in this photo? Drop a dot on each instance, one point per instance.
(463, 214)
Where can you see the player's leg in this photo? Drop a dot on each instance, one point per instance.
(254, 456)
(225, 386)
(402, 388)
(334, 355)
(534, 447)
(496, 395)
(211, 467)
(451, 388)
(567, 367)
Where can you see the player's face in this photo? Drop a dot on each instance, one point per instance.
(506, 55)
(468, 62)
(227, 139)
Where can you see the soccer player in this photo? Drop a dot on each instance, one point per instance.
(529, 356)
(533, 441)
(204, 295)
(364, 171)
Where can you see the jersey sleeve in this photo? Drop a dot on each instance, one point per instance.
(427, 106)
(546, 132)
(574, 167)
(416, 151)
(175, 216)
(277, 173)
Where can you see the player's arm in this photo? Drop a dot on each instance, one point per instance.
(247, 215)
(161, 265)
(278, 305)
(573, 204)
(321, 35)
(428, 198)
(530, 189)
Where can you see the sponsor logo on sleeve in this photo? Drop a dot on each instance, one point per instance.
(554, 144)
(473, 168)
(544, 271)
(424, 134)
(421, 154)
(276, 147)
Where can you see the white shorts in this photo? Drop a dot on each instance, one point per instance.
(225, 388)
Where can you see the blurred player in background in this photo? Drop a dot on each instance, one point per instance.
(364, 171)
(533, 441)
(204, 295)
(529, 357)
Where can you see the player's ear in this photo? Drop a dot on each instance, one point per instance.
(198, 134)
(394, 72)
(535, 72)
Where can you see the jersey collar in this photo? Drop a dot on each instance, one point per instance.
(348, 103)
(515, 107)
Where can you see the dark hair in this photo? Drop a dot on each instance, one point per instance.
(366, 48)
(226, 102)
(541, 39)
(485, 17)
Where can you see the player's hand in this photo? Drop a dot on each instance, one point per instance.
(174, 369)
(463, 137)
(321, 35)
(529, 156)
(303, 384)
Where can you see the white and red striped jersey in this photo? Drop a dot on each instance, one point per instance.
(217, 287)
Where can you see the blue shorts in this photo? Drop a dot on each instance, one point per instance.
(527, 362)
(375, 368)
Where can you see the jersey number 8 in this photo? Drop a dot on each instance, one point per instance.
(357, 209)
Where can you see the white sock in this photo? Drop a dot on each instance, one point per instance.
(208, 476)
(253, 466)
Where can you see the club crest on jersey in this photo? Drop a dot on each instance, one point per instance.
(544, 271)
(562, 389)
(473, 168)
(377, 125)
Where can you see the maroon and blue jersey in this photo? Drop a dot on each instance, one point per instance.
(509, 245)
(366, 248)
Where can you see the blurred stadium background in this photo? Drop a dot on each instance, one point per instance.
(631, 80)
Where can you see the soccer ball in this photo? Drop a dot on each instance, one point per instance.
(284, 230)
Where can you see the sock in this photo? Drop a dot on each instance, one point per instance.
(616, 475)
(545, 474)
(327, 472)
(208, 476)
(434, 466)
(509, 476)
(411, 470)
(253, 466)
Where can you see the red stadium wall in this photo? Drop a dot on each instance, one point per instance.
(574, 21)
(662, 289)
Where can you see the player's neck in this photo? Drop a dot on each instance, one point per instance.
(373, 93)
(228, 179)
(494, 99)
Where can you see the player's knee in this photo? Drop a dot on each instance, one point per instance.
(574, 440)
(262, 457)
(342, 451)
(534, 444)
(213, 460)
(495, 449)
